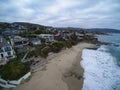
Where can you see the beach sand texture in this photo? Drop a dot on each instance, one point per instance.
(52, 75)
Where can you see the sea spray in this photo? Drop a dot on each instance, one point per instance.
(100, 70)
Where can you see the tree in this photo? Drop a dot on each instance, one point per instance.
(42, 40)
(68, 44)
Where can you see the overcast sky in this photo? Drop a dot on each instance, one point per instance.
(69, 13)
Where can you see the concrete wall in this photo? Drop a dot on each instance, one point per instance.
(13, 83)
(22, 78)
(4, 84)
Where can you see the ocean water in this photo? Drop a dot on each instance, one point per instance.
(102, 66)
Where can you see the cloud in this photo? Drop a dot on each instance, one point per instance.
(78, 13)
(61, 5)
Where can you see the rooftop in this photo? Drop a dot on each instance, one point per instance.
(45, 35)
(4, 44)
(1, 36)
(34, 39)
(19, 38)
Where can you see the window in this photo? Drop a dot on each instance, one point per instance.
(2, 55)
(1, 50)
(7, 49)
(9, 53)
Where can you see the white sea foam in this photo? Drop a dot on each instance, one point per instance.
(100, 70)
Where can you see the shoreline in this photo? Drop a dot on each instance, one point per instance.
(52, 75)
(77, 69)
(77, 78)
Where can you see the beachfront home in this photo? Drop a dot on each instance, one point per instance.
(35, 41)
(6, 51)
(57, 37)
(48, 37)
(61, 35)
(79, 35)
(18, 41)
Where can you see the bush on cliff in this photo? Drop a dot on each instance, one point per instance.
(57, 46)
(45, 51)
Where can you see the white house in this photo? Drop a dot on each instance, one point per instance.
(35, 41)
(18, 41)
(48, 37)
(6, 51)
(79, 35)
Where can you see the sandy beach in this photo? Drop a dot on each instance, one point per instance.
(63, 72)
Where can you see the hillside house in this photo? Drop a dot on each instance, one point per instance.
(48, 37)
(6, 52)
(18, 41)
(35, 41)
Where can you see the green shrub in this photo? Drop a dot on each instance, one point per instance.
(57, 46)
(13, 70)
(31, 44)
(45, 51)
(37, 50)
(39, 47)
(35, 53)
(42, 40)
(68, 44)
